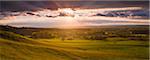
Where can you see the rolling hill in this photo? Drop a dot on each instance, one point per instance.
(16, 46)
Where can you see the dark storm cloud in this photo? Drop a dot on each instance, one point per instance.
(37, 5)
(25, 5)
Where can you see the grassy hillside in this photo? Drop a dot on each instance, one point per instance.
(13, 36)
(74, 50)
(17, 47)
(20, 47)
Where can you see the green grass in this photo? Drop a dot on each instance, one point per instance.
(120, 43)
(11, 50)
(124, 50)
(17, 47)
(14, 37)
(44, 49)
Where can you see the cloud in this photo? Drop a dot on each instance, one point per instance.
(83, 17)
(67, 21)
(38, 5)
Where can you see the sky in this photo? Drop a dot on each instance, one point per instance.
(52, 14)
(37, 5)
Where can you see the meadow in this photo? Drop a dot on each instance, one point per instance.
(74, 44)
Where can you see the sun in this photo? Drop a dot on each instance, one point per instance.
(68, 18)
(66, 11)
(69, 22)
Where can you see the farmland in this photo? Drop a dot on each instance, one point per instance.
(104, 43)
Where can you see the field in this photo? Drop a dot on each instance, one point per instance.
(17, 45)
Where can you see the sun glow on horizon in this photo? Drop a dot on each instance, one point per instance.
(66, 11)
(72, 18)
